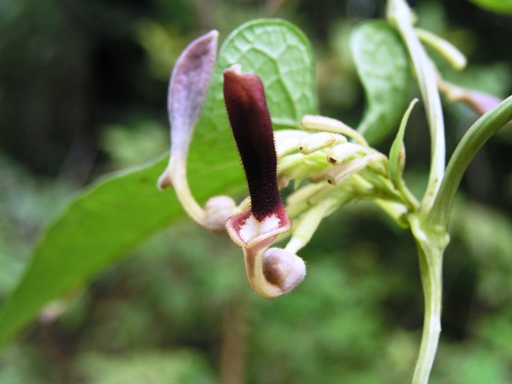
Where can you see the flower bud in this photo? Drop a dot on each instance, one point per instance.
(288, 140)
(326, 124)
(345, 151)
(340, 172)
(318, 141)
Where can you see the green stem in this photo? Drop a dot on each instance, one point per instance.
(431, 246)
(473, 140)
(430, 269)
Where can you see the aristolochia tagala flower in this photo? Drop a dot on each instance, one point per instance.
(273, 272)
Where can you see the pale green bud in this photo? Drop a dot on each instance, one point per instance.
(319, 141)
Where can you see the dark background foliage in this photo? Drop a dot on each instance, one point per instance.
(82, 92)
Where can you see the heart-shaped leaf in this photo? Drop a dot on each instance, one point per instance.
(383, 66)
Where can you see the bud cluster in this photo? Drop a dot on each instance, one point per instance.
(330, 163)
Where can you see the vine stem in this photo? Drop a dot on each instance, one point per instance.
(429, 223)
(431, 236)
(431, 246)
(431, 240)
(430, 232)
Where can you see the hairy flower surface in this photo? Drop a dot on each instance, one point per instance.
(257, 228)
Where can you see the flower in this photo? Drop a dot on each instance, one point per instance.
(273, 272)
(187, 91)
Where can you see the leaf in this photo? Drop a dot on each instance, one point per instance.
(120, 211)
(383, 66)
(499, 6)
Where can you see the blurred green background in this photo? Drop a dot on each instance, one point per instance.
(82, 93)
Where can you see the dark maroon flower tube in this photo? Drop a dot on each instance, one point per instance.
(272, 272)
(247, 109)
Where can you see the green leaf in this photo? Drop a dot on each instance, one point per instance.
(383, 66)
(120, 211)
(500, 6)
